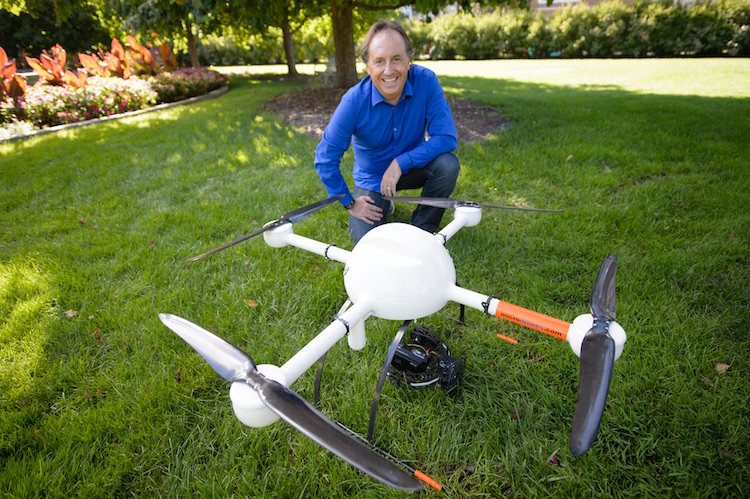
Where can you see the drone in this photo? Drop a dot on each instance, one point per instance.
(399, 272)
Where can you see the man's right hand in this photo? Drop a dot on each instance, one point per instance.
(366, 210)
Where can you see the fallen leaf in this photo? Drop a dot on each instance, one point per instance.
(101, 392)
(70, 313)
(98, 337)
(87, 395)
(177, 377)
(91, 317)
(516, 415)
(569, 158)
(82, 221)
(95, 226)
(553, 460)
(151, 244)
(721, 368)
(251, 303)
(728, 453)
(707, 382)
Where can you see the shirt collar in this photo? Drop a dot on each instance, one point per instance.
(377, 98)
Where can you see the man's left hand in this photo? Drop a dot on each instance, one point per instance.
(390, 179)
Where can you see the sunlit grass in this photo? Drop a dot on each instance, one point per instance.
(98, 221)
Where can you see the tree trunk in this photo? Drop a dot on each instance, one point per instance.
(343, 43)
(192, 48)
(291, 60)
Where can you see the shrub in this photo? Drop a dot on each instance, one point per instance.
(186, 82)
(223, 50)
(50, 105)
(610, 29)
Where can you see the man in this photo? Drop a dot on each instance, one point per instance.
(385, 117)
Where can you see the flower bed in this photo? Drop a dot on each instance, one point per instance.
(44, 106)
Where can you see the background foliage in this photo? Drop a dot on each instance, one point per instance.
(611, 29)
(37, 30)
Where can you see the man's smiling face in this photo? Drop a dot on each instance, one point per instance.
(388, 64)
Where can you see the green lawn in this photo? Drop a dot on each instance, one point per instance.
(649, 159)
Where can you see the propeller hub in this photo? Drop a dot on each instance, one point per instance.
(402, 270)
(247, 404)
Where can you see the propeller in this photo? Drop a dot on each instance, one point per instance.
(455, 203)
(288, 218)
(597, 361)
(233, 364)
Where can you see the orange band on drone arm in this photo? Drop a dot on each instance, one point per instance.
(429, 481)
(532, 320)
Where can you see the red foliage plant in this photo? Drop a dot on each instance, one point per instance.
(51, 69)
(112, 63)
(136, 59)
(12, 85)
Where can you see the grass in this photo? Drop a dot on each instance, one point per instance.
(99, 399)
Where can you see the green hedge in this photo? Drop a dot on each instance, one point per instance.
(612, 29)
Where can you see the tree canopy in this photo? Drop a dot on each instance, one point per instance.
(186, 19)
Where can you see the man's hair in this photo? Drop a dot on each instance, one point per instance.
(376, 28)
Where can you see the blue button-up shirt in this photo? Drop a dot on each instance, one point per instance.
(380, 132)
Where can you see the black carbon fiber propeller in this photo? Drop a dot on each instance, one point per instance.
(597, 361)
(455, 203)
(233, 364)
(288, 218)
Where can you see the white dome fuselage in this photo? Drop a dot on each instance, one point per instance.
(404, 272)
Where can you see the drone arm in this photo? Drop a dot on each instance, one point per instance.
(314, 350)
(464, 216)
(513, 313)
(284, 235)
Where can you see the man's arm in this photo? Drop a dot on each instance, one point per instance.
(333, 145)
(331, 148)
(440, 128)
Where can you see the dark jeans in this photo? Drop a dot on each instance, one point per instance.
(437, 179)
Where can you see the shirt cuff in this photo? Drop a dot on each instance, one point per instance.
(405, 163)
(348, 198)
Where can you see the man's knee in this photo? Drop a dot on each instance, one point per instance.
(447, 166)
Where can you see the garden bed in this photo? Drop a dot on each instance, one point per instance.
(47, 107)
(211, 95)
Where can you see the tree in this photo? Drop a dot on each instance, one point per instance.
(342, 17)
(171, 18)
(39, 28)
(289, 15)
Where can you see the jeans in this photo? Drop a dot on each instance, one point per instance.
(437, 179)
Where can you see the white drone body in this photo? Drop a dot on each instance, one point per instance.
(396, 272)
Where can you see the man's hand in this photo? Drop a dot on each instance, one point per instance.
(390, 179)
(366, 210)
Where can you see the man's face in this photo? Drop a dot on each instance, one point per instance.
(388, 64)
